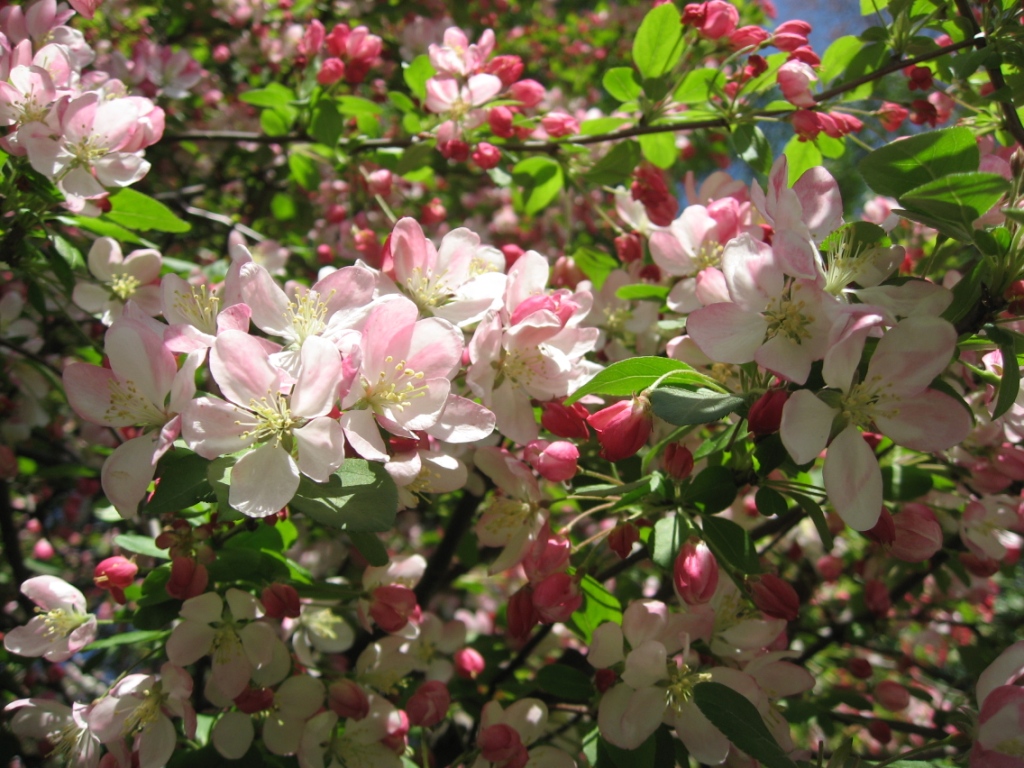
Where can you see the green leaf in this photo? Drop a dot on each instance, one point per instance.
(959, 198)
(668, 537)
(104, 228)
(595, 264)
(1009, 384)
(415, 157)
(326, 124)
(966, 294)
(126, 638)
(356, 105)
(770, 502)
(360, 496)
(659, 148)
(802, 156)
(734, 715)
(416, 75)
(303, 170)
(837, 57)
(903, 483)
(142, 545)
(541, 179)
(370, 547)
(138, 211)
(602, 125)
(814, 511)
(642, 292)
(698, 85)
(629, 377)
(641, 757)
(274, 123)
(599, 605)
(616, 166)
(153, 617)
(713, 490)
(154, 586)
(731, 543)
(954, 231)
(751, 146)
(683, 407)
(659, 42)
(402, 102)
(870, 7)
(182, 483)
(68, 252)
(275, 96)
(565, 682)
(901, 166)
(247, 565)
(621, 83)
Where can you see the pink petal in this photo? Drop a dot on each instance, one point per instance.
(316, 388)
(853, 480)
(269, 304)
(726, 332)
(138, 355)
(213, 428)
(1007, 667)
(929, 421)
(627, 717)
(912, 354)
(321, 445)
(127, 473)
(242, 368)
(806, 424)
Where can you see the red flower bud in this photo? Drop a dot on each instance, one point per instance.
(765, 414)
(393, 606)
(629, 248)
(678, 461)
(892, 695)
(499, 743)
(876, 597)
(918, 534)
(486, 155)
(529, 92)
(880, 731)
(506, 68)
(188, 578)
(281, 600)
(115, 573)
(429, 705)
(253, 700)
(884, 532)
(605, 679)
(775, 597)
(555, 461)
(569, 421)
(331, 71)
(347, 699)
(521, 615)
(623, 428)
(622, 538)
(860, 668)
(557, 597)
(695, 574)
(500, 121)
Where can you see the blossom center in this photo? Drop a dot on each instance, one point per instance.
(786, 316)
(682, 681)
(308, 315)
(395, 388)
(199, 306)
(124, 286)
(60, 623)
(274, 419)
(323, 623)
(128, 404)
(427, 294)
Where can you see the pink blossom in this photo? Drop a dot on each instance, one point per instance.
(892, 695)
(62, 728)
(918, 534)
(775, 597)
(458, 57)
(468, 663)
(795, 78)
(623, 428)
(62, 626)
(555, 461)
(790, 35)
(557, 597)
(121, 279)
(428, 706)
(559, 124)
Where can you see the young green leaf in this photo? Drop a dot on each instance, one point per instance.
(734, 715)
(658, 44)
(630, 377)
(683, 407)
(138, 211)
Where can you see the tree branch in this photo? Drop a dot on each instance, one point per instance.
(437, 567)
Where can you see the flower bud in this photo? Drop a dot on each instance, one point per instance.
(892, 695)
(379, 182)
(529, 92)
(253, 700)
(468, 663)
(605, 679)
(876, 597)
(8, 463)
(331, 71)
(500, 121)
(884, 532)
(622, 538)
(745, 37)
(569, 421)
(555, 461)
(397, 724)
(860, 668)
(281, 600)
(695, 574)
(678, 461)
(830, 568)
(347, 699)
(393, 606)
(629, 248)
(429, 705)
(982, 567)
(775, 597)
(455, 149)
(433, 212)
(506, 68)
(549, 554)
(521, 615)
(623, 428)
(559, 124)
(918, 534)
(557, 597)
(790, 35)
(486, 155)
(499, 743)
(188, 578)
(880, 731)
(115, 573)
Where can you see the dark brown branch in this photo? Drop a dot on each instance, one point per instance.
(995, 73)
(896, 725)
(437, 568)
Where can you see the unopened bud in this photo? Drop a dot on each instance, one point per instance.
(429, 705)
(884, 532)
(918, 534)
(765, 414)
(280, 601)
(775, 597)
(521, 615)
(678, 461)
(115, 573)
(557, 597)
(892, 695)
(695, 573)
(468, 663)
(347, 699)
(622, 538)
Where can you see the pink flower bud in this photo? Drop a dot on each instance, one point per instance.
(880, 731)
(281, 600)
(312, 39)
(806, 55)
(790, 35)
(499, 743)
(455, 149)
(521, 615)
(433, 212)
(188, 578)
(775, 597)
(884, 532)
(468, 663)
(765, 414)
(919, 78)
(500, 121)
(623, 428)
(605, 679)
(982, 567)
(115, 573)
(892, 115)
(512, 252)
(397, 724)
(379, 182)
(678, 461)
(622, 538)
(393, 606)
(918, 534)
(429, 705)
(557, 597)
(506, 68)
(860, 668)
(43, 550)
(650, 189)
(486, 155)
(331, 71)
(876, 597)
(549, 554)
(346, 698)
(745, 37)
(830, 568)
(555, 461)
(713, 19)
(559, 124)
(529, 92)
(568, 421)
(795, 78)
(892, 695)
(695, 574)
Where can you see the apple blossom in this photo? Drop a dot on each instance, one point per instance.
(62, 627)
